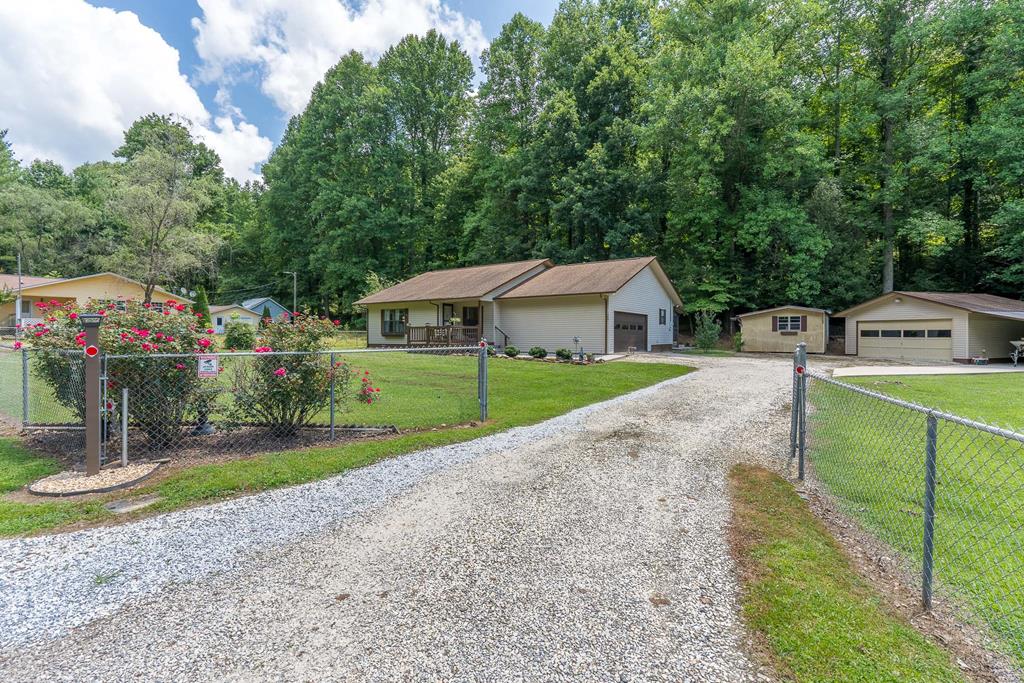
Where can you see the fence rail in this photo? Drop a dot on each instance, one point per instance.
(944, 491)
(218, 405)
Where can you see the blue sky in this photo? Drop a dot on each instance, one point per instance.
(79, 71)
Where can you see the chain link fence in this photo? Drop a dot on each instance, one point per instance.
(945, 492)
(221, 405)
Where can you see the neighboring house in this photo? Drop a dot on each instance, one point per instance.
(98, 287)
(780, 329)
(220, 316)
(276, 310)
(609, 305)
(934, 326)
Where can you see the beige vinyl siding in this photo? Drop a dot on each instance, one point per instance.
(909, 308)
(420, 313)
(644, 295)
(552, 322)
(758, 336)
(991, 336)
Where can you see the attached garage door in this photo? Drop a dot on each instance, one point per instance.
(918, 340)
(630, 331)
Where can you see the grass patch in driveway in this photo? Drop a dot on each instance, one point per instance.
(817, 619)
(521, 394)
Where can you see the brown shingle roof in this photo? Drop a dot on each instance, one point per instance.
(979, 303)
(598, 277)
(457, 283)
(11, 281)
(976, 303)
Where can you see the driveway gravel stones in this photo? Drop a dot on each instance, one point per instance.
(588, 547)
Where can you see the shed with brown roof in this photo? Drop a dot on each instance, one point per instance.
(934, 326)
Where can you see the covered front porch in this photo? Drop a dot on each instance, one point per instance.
(458, 323)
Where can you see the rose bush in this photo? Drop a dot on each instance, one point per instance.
(161, 390)
(285, 391)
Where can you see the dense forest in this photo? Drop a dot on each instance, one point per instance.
(794, 151)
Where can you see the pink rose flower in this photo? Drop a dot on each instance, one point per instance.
(280, 372)
(204, 342)
(17, 345)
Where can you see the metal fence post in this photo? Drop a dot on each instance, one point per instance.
(931, 441)
(793, 414)
(333, 372)
(24, 387)
(124, 426)
(481, 379)
(802, 402)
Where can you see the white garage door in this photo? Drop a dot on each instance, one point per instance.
(918, 340)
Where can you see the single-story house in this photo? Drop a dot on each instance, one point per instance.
(101, 287)
(934, 326)
(220, 316)
(780, 329)
(275, 309)
(610, 306)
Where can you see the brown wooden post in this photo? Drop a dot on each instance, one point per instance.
(91, 325)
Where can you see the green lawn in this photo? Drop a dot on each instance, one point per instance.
(418, 391)
(816, 617)
(870, 454)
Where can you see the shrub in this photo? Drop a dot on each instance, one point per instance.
(708, 330)
(161, 389)
(511, 351)
(539, 352)
(202, 308)
(563, 354)
(737, 342)
(239, 335)
(285, 392)
(491, 351)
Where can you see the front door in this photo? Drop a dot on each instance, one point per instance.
(447, 313)
(470, 316)
(630, 332)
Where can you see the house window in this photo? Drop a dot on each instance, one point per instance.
(940, 334)
(789, 323)
(869, 333)
(913, 333)
(470, 316)
(890, 333)
(392, 321)
(119, 304)
(220, 321)
(662, 316)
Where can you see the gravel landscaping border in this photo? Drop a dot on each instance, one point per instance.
(51, 584)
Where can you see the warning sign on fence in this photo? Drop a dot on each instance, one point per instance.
(208, 365)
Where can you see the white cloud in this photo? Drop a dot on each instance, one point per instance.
(75, 76)
(292, 44)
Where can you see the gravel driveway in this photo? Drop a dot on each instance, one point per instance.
(590, 547)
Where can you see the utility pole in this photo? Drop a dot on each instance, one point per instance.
(295, 305)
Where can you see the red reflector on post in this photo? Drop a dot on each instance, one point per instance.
(483, 344)
(91, 350)
(799, 369)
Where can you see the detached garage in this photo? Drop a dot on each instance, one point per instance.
(780, 329)
(934, 326)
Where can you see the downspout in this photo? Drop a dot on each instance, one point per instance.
(605, 297)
